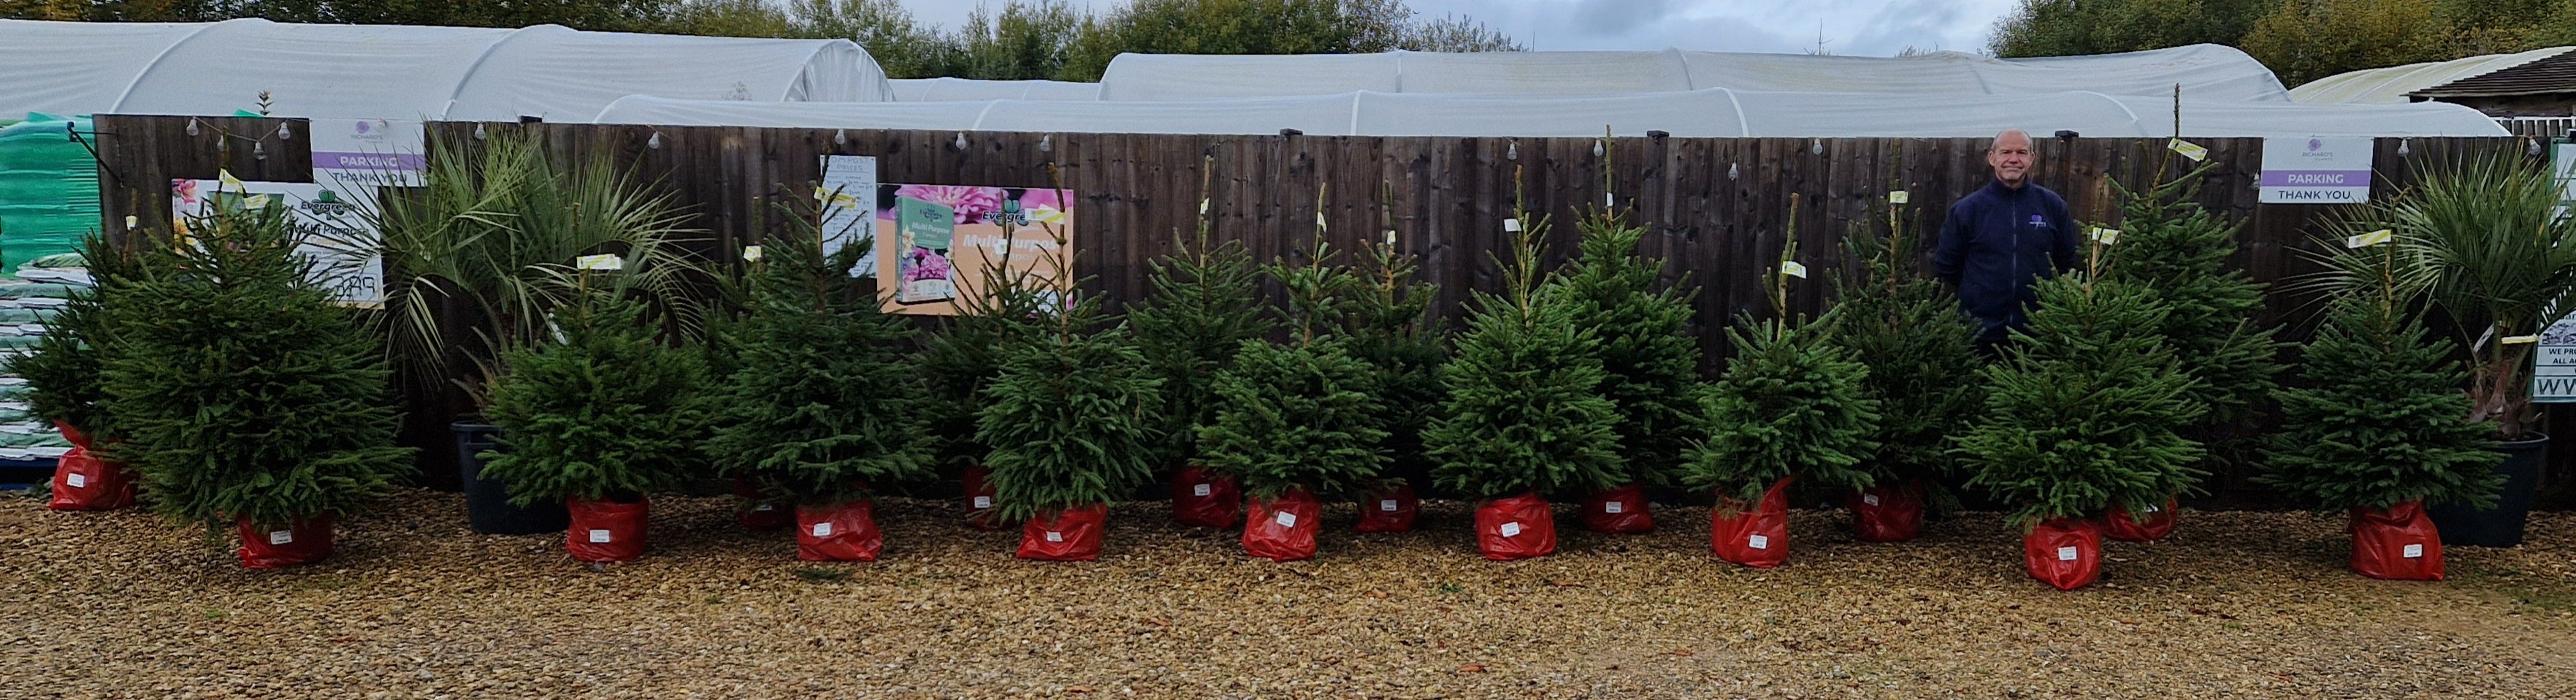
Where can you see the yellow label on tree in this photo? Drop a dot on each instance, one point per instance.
(2194, 151)
(1793, 269)
(2368, 239)
(603, 261)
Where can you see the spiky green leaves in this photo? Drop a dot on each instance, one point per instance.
(2381, 419)
(1067, 419)
(239, 389)
(822, 400)
(606, 411)
(1791, 403)
(2083, 410)
(1649, 355)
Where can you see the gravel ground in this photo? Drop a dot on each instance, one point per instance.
(2235, 605)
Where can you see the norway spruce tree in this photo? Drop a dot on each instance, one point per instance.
(1387, 322)
(1525, 411)
(2171, 243)
(822, 406)
(239, 390)
(964, 356)
(1069, 419)
(2379, 418)
(2084, 409)
(1920, 350)
(1648, 354)
(1303, 414)
(606, 411)
(1205, 302)
(1791, 403)
(64, 384)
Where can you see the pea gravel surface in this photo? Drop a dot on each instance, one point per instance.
(2235, 604)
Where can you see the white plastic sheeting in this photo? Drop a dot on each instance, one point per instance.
(962, 89)
(2206, 72)
(405, 72)
(2388, 86)
(1702, 113)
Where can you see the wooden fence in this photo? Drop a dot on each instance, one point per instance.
(1718, 209)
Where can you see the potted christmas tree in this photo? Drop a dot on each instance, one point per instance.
(1525, 415)
(963, 358)
(1650, 357)
(1297, 422)
(241, 393)
(600, 418)
(2170, 243)
(1205, 304)
(2481, 242)
(2083, 413)
(2380, 426)
(1790, 406)
(64, 386)
(1387, 323)
(1922, 371)
(1067, 419)
(821, 406)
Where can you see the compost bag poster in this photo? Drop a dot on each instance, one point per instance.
(936, 243)
(337, 237)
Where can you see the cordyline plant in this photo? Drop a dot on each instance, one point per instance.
(2479, 240)
(62, 372)
(1300, 415)
(2083, 410)
(822, 406)
(1920, 350)
(2380, 419)
(1791, 403)
(239, 388)
(607, 412)
(1206, 302)
(1069, 417)
(1525, 410)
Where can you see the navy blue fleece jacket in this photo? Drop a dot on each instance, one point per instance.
(1997, 241)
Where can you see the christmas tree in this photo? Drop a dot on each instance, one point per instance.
(1206, 301)
(1791, 403)
(1647, 349)
(1387, 323)
(239, 389)
(822, 403)
(62, 372)
(606, 412)
(1525, 410)
(2083, 410)
(959, 361)
(1304, 414)
(1069, 418)
(2380, 419)
(2170, 243)
(1921, 351)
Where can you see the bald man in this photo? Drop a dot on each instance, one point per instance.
(2001, 238)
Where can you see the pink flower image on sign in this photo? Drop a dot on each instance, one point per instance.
(970, 202)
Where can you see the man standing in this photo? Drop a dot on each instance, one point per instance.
(2001, 238)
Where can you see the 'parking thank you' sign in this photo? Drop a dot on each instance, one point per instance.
(2316, 170)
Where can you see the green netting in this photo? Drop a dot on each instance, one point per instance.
(48, 189)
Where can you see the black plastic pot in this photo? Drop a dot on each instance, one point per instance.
(2500, 526)
(487, 502)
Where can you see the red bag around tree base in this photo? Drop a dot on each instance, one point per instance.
(2120, 526)
(1283, 528)
(1758, 536)
(979, 499)
(1203, 498)
(760, 513)
(2398, 544)
(2066, 554)
(1621, 510)
(1389, 510)
(276, 548)
(82, 481)
(1518, 527)
(606, 531)
(1072, 534)
(1888, 513)
(844, 531)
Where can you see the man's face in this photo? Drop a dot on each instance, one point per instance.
(2010, 158)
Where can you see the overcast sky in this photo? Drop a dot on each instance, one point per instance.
(1853, 27)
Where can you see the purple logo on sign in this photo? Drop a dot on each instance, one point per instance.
(2314, 144)
(362, 128)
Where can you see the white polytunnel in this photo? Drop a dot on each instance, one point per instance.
(2204, 72)
(964, 89)
(406, 72)
(1696, 113)
(2389, 85)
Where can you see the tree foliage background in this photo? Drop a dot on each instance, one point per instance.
(2302, 40)
(1005, 40)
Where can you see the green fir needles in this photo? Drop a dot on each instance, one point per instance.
(1069, 418)
(1302, 414)
(607, 411)
(1525, 410)
(1647, 351)
(1791, 403)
